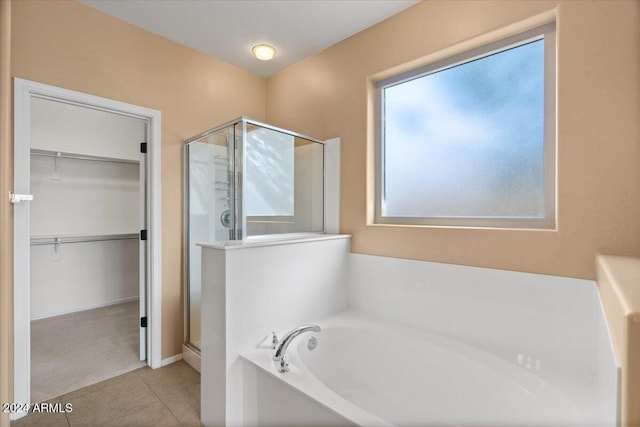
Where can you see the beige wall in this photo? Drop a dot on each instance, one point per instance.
(598, 130)
(67, 44)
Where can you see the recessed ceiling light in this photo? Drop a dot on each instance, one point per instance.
(263, 52)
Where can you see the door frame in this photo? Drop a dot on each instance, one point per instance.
(24, 90)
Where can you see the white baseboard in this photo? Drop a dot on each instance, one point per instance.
(191, 357)
(84, 308)
(170, 360)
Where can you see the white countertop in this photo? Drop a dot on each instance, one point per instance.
(272, 240)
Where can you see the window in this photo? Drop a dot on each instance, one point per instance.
(470, 140)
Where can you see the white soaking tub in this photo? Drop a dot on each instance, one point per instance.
(368, 372)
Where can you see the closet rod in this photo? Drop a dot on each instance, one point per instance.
(60, 155)
(36, 241)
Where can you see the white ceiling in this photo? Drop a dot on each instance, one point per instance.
(228, 29)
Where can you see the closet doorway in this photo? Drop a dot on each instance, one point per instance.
(86, 281)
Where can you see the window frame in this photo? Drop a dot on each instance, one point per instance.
(547, 32)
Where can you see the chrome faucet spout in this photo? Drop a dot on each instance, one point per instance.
(281, 349)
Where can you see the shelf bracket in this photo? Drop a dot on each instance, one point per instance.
(55, 174)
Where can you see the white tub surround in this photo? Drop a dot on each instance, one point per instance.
(369, 372)
(403, 342)
(552, 326)
(253, 287)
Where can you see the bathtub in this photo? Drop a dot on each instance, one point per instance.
(369, 372)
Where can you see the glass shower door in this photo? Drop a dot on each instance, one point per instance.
(246, 179)
(209, 214)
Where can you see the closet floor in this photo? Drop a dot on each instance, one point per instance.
(75, 350)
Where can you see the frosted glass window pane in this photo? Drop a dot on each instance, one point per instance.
(468, 141)
(269, 173)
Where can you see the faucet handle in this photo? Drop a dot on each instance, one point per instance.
(284, 365)
(274, 340)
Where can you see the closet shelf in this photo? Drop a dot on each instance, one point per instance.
(53, 240)
(61, 155)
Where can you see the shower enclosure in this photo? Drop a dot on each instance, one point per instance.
(246, 179)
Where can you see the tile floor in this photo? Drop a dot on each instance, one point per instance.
(168, 396)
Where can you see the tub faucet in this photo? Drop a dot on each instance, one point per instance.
(281, 349)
